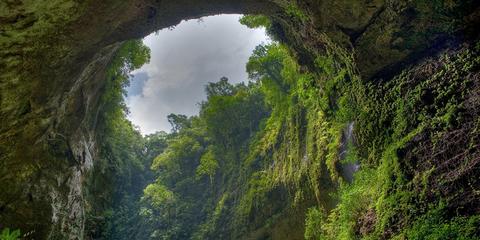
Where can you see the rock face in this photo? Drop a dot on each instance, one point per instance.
(53, 59)
(53, 56)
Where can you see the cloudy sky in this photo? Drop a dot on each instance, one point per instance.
(182, 61)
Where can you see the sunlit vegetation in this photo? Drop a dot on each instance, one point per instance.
(358, 120)
(393, 195)
(203, 160)
(278, 146)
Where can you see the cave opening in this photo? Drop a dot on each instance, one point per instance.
(200, 94)
(258, 161)
(183, 59)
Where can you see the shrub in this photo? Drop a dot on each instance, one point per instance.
(9, 235)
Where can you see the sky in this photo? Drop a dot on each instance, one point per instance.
(183, 60)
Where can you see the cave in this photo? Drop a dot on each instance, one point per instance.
(54, 55)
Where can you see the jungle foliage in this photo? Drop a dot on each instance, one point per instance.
(263, 154)
(122, 170)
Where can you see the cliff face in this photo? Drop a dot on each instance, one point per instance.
(53, 56)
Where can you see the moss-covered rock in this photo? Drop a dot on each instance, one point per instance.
(53, 56)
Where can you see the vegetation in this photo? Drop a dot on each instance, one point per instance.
(280, 147)
(195, 170)
(122, 172)
(6, 234)
(360, 121)
(394, 195)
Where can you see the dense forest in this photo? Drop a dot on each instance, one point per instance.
(307, 147)
(278, 151)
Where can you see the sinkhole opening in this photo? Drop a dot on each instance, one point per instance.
(220, 79)
(183, 60)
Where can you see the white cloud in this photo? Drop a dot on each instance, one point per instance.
(183, 60)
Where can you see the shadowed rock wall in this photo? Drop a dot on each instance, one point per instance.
(53, 56)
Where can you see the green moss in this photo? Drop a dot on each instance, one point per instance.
(434, 225)
(294, 11)
(387, 124)
(314, 222)
(259, 186)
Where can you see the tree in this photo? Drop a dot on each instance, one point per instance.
(220, 88)
(178, 122)
(208, 165)
(255, 21)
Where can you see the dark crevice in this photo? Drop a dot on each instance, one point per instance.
(354, 34)
(452, 41)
